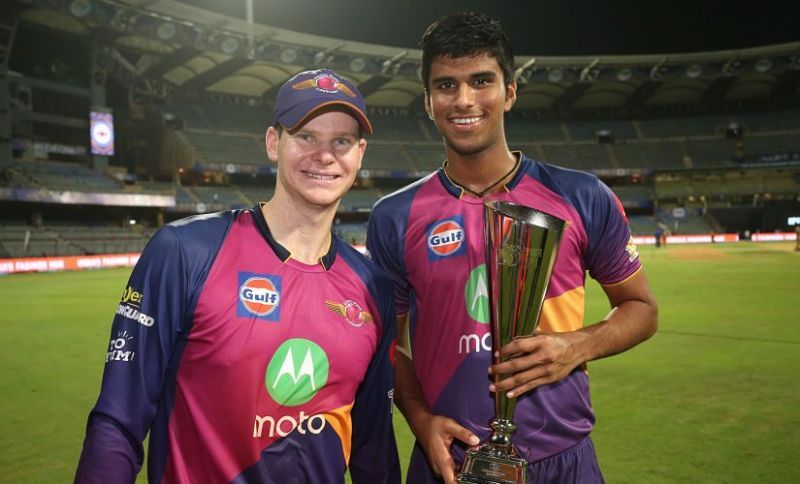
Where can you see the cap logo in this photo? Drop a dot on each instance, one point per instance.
(325, 83)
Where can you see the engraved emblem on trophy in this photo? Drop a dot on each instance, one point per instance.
(521, 248)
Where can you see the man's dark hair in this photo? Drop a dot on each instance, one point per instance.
(466, 34)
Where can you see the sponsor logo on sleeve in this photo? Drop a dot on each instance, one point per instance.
(132, 297)
(297, 371)
(259, 296)
(351, 311)
(119, 348)
(630, 248)
(446, 238)
(130, 307)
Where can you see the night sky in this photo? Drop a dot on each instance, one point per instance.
(544, 28)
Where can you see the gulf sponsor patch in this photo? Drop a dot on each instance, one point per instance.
(446, 238)
(259, 296)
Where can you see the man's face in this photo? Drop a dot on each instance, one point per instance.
(466, 98)
(318, 162)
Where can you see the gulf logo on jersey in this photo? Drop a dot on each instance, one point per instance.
(446, 238)
(259, 296)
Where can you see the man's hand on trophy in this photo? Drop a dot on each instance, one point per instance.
(534, 361)
(436, 438)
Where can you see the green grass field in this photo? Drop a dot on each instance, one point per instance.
(713, 397)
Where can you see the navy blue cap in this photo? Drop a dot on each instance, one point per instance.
(309, 91)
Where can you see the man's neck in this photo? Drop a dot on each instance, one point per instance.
(304, 231)
(479, 171)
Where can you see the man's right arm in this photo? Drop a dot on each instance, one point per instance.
(143, 335)
(108, 453)
(435, 433)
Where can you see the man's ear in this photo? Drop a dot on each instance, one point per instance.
(511, 95)
(271, 140)
(428, 108)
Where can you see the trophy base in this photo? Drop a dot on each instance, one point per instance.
(489, 465)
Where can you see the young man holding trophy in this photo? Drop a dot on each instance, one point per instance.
(449, 286)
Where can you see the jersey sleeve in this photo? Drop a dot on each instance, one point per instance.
(385, 247)
(373, 457)
(144, 332)
(612, 256)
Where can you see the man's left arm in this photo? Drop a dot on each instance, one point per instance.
(374, 456)
(547, 358)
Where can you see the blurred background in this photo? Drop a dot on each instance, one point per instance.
(118, 116)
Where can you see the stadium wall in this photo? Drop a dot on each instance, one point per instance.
(78, 263)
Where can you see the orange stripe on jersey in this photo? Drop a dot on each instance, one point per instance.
(342, 423)
(564, 312)
(624, 280)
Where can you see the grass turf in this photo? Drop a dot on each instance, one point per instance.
(713, 397)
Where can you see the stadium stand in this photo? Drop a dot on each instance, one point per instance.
(359, 200)
(101, 240)
(649, 154)
(388, 156)
(232, 134)
(581, 156)
(352, 233)
(221, 148)
(772, 142)
(710, 152)
(61, 176)
(634, 195)
(587, 130)
(204, 146)
(64, 240)
(687, 127)
(521, 130)
(425, 156)
(642, 225)
(156, 187)
(689, 224)
(256, 194)
(229, 197)
(183, 196)
(398, 128)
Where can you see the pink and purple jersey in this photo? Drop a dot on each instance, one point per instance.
(429, 237)
(244, 364)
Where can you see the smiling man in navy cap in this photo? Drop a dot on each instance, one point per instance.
(253, 345)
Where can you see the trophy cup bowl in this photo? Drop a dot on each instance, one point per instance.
(521, 247)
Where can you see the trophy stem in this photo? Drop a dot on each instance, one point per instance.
(501, 435)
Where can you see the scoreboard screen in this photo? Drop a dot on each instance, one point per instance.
(101, 132)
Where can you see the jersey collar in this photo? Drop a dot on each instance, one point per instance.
(326, 261)
(458, 192)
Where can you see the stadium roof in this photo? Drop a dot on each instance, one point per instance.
(541, 27)
(585, 57)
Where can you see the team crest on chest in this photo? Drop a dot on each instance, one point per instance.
(351, 311)
(446, 238)
(259, 296)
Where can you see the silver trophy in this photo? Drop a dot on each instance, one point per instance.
(521, 248)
